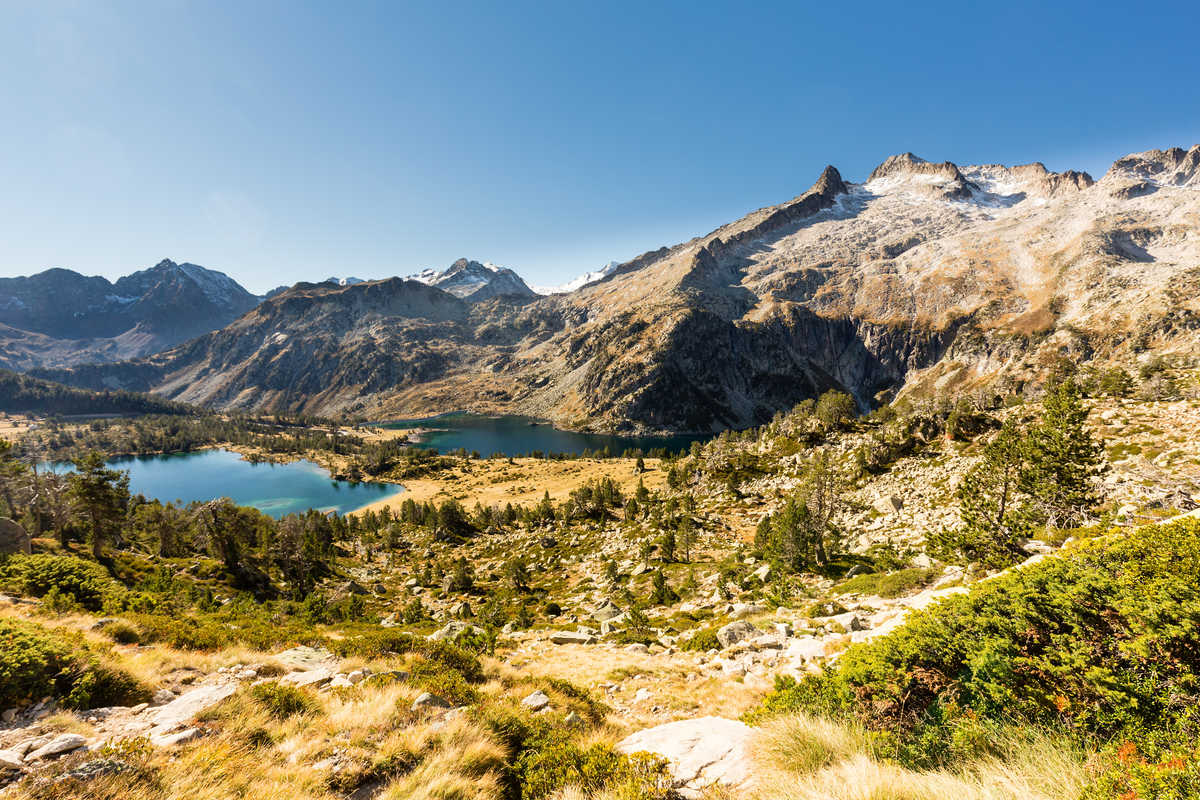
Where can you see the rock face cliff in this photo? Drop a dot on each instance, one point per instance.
(59, 317)
(924, 278)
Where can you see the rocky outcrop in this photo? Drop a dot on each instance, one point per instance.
(701, 753)
(13, 538)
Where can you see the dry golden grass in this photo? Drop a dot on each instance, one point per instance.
(676, 696)
(496, 482)
(805, 758)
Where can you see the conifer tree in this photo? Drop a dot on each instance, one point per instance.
(993, 511)
(1062, 460)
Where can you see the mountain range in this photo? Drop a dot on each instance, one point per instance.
(924, 278)
(59, 317)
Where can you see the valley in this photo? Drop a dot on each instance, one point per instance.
(886, 491)
(470, 637)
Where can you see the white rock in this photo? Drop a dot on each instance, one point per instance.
(172, 739)
(702, 752)
(181, 709)
(63, 743)
(10, 759)
(429, 701)
(311, 677)
(536, 701)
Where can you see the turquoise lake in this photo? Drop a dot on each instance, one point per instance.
(515, 436)
(274, 489)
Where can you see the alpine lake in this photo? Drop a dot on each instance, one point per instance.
(295, 487)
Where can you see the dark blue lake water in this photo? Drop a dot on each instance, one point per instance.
(274, 489)
(515, 436)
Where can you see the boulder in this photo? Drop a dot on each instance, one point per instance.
(14, 538)
(734, 632)
(536, 701)
(571, 637)
(746, 610)
(427, 701)
(606, 611)
(63, 743)
(309, 677)
(461, 609)
(10, 759)
(304, 657)
(172, 739)
(453, 631)
(181, 710)
(701, 752)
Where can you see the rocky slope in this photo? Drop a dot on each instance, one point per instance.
(925, 278)
(59, 317)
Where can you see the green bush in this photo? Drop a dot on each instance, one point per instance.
(87, 582)
(1100, 642)
(36, 662)
(445, 682)
(705, 639)
(122, 633)
(282, 701)
(889, 584)
(383, 642)
(550, 761)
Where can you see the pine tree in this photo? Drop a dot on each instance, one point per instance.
(993, 512)
(686, 537)
(1062, 460)
(667, 545)
(661, 593)
(101, 494)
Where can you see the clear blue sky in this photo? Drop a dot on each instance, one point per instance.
(285, 141)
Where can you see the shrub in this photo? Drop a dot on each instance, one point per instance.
(282, 701)
(41, 574)
(379, 643)
(705, 639)
(35, 662)
(550, 762)
(443, 681)
(890, 584)
(1098, 642)
(122, 633)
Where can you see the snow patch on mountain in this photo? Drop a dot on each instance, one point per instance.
(581, 281)
(475, 280)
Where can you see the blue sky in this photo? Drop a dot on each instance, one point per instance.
(285, 141)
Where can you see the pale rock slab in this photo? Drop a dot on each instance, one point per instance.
(702, 752)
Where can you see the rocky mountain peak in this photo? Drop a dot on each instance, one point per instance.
(942, 180)
(1172, 167)
(474, 281)
(830, 183)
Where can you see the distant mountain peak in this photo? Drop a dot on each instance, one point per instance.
(475, 280)
(74, 318)
(579, 282)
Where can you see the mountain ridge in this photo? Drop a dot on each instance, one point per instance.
(926, 277)
(61, 317)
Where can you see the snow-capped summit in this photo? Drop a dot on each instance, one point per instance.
(343, 281)
(474, 280)
(581, 281)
